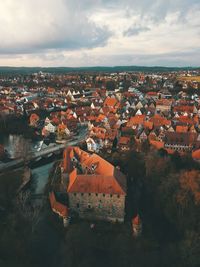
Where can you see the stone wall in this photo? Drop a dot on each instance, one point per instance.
(98, 206)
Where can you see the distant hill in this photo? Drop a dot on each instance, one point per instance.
(60, 70)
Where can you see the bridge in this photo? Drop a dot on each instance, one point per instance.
(54, 149)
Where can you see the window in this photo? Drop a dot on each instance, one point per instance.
(89, 194)
(118, 196)
(74, 194)
(96, 195)
(89, 206)
(103, 195)
(110, 195)
(77, 205)
(81, 194)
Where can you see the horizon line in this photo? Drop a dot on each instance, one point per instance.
(103, 66)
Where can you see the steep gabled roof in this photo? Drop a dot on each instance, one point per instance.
(58, 207)
(110, 102)
(100, 184)
(105, 179)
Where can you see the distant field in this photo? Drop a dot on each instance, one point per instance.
(193, 78)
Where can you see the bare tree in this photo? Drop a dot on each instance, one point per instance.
(28, 209)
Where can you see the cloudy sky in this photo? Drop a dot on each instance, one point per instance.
(99, 32)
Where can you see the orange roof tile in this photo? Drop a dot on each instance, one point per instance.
(34, 117)
(196, 154)
(124, 140)
(110, 102)
(100, 118)
(159, 120)
(138, 119)
(181, 129)
(136, 220)
(162, 102)
(157, 144)
(184, 109)
(105, 179)
(185, 119)
(148, 124)
(96, 184)
(57, 207)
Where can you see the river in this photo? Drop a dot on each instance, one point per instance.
(41, 175)
(16, 144)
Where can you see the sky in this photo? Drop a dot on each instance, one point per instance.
(75, 33)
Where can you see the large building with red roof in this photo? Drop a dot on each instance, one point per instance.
(96, 189)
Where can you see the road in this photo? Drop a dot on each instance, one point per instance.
(45, 152)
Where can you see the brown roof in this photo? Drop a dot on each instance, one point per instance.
(181, 138)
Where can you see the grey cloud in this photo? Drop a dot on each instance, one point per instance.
(172, 59)
(53, 26)
(135, 30)
(61, 24)
(156, 10)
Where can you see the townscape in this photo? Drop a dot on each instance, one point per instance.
(99, 133)
(137, 110)
(124, 143)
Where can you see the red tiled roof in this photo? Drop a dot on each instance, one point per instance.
(148, 124)
(110, 102)
(164, 102)
(157, 144)
(124, 140)
(184, 109)
(105, 179)
(57, 207)
(196, 154)
(100, 118)
(185, 119)
(101, 184)
(138, 119)
(181, 129)
(152, 93)
(34, 117)
(159, 120)
(136, 220)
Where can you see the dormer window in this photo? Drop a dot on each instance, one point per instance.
(74, 159)
(93, 167)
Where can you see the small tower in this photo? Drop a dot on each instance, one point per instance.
(66, 221)
(136, 226)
